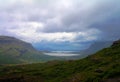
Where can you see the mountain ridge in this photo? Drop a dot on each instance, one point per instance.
(95, 46)
(102, 66)
(15, 51)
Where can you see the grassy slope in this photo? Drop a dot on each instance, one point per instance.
(100, 67)
(15, 51)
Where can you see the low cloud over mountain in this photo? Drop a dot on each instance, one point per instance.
(60, 21)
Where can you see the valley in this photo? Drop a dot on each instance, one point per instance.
(59, 40)
(102, 66)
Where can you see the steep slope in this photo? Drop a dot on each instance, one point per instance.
(96, 46)
(104, 66)
(13, 51)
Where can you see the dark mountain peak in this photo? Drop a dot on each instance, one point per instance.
(116, 43)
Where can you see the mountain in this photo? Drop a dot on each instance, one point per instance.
(62, 47)
(8, 44)
(15, 51)
(58, 46)
(96, 46)
(72, 46)
(103, 66)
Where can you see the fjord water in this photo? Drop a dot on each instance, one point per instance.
(62, 53)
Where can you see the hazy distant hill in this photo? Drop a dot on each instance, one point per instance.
(96, 46)
(103, 66)
(15, 51)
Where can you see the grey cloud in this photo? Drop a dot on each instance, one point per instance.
(82, 18)
(64, 16)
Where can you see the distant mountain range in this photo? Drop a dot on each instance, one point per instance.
(15, 51)
(96, 46)
(73, 47)
(103, 66)
(59, 46)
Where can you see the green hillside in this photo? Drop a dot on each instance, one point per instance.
(104, 66)
(15, 51)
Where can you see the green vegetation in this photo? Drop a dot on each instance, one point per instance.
(14, 51)
(104, 66)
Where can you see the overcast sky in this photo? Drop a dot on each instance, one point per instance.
(60, 20)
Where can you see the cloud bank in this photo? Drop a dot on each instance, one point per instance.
(59, 21)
